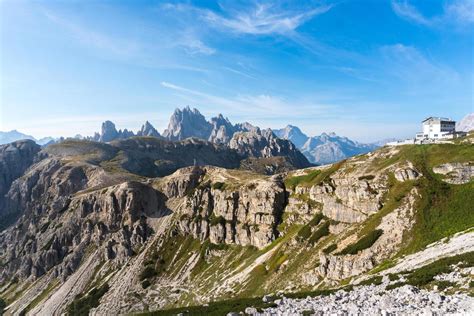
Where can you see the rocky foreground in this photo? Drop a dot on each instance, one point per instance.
(374, 300)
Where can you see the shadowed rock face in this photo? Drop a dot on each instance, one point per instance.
(187, 123)
(15, 158)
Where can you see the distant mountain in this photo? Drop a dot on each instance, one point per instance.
(325, 148)
(14, 135)
(466, 124)
(292, 133)
(383, 142)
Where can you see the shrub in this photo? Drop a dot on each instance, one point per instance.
(442, 285)
(393, 277)
(304, 233)
(219, 186)
(394, 286)
(148, 272)
(319, 233)
(330, 249)
(146, 284)
(367, 177)
(215, 220)
(377, 280)
(365, 242)
(82, 306)
(316, 219)
(426, 274)
(2, 306)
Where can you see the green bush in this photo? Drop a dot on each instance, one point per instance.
(367, 177)
(426, 274)
(330, 249)
(319, 233)
(442, 285)
(2, 306)
(82, 306)
(365, 242)
(393, 277)
(316, 219)
(148, 272)
(219, 186)
(304, 233)
(216, 220)
(376, 280)
(394, 286)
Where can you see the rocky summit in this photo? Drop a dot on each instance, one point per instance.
(146, 225)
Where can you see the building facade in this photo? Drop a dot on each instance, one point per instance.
(437, 128)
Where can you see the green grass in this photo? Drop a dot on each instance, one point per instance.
(82, 305)
(43, 295)
(219, 186)
(306, 179)
(376, 280)
(445, 209)
(214, 309)
(319, 233)
(426, 274)
(330, 248)
(3, 304)
(363, 243)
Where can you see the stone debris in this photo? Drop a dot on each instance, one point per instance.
(375, 300)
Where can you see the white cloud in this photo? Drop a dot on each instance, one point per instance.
(263, 19)
(461, 11)
(406, 10)
(249, 107)
(454, 12)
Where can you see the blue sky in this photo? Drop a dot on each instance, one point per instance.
(366, 69)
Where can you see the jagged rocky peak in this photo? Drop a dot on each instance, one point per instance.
(264, 143)
(148, 130)
(466, 124)
(222, 130)
(293, 134)
(15, 158)
(108, 132)
(187, 123)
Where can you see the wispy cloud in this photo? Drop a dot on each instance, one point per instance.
(414, 69)
(262, 19)
(457, 11)
(406, 10)
(254, 106)
(94, 39)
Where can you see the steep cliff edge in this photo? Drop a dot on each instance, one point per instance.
(98, 237)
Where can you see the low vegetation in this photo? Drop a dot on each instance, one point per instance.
(82, 305)
(363, 243)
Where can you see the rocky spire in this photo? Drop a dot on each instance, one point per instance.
(148, 130)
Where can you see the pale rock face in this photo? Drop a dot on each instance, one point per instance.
(293, 134)
(247, 215)
(404, 174)
(338, 267)
(265, 144)
(187, 123)
(466, 124)
(456, 173)
(148, 130)
(349, 200)
(15, 158)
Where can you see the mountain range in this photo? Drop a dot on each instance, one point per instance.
(142, 224)
(185, 123)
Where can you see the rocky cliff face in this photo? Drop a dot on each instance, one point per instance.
(87, 220)
(187, 123)
(325, 148)
(466, 124)
(15, 158)
(148, 130)
(265, 144)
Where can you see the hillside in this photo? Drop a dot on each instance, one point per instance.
(97, 233)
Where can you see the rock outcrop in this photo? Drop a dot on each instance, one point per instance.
(187, 123)
(456, 173)
(265, 144)
(15, 159)
(148, 130)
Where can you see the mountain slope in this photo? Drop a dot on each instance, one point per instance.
(466, 124)
(326, 148)
(206, 233)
